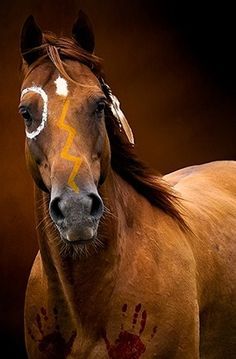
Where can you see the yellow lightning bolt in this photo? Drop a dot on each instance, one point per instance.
(65, 151)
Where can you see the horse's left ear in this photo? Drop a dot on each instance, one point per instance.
(82, 32)
(31, 37)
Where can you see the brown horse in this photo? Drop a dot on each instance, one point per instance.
(130, 264)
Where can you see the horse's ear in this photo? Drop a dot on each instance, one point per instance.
(31, 37)
(82, 32)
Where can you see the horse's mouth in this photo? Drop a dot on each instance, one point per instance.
(80, 242)
(78, 239)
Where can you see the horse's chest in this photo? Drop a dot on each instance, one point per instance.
(51, 333)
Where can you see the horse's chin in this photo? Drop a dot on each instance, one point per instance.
(80, 237)
(78, 243)
(78, 233)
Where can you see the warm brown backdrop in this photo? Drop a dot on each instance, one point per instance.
(173, 68)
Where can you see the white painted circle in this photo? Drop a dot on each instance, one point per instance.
(44, 96)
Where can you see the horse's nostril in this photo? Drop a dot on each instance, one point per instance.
(97, 205)
(55, 210)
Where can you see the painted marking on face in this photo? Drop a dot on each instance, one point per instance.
(44, 96)
(61, 87)
(65, 151)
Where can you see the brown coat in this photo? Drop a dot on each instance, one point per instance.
(152, 276)
(169, 292)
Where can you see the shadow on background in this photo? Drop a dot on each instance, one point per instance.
(173, 69)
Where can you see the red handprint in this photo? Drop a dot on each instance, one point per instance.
(129, 345)
(52, 344)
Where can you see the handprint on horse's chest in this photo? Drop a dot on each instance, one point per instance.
(129, 343)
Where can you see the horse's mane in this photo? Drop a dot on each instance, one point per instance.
(123, 158)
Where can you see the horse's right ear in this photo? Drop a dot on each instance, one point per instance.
(31, 37)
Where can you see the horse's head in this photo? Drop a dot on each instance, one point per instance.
(63, 103)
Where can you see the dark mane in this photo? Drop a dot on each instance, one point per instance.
(123, 158)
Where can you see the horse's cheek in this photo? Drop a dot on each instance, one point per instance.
(105, 161)
(33, 169)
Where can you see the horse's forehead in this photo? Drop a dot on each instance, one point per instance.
(47, 77)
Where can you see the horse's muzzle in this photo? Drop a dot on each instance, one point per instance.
(76, 215)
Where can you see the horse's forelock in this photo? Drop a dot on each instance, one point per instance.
(59, 49)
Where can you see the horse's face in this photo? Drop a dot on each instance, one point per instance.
(67, 145)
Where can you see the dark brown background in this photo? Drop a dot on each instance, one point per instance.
(172, 67)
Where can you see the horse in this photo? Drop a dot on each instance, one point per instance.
(131, 264)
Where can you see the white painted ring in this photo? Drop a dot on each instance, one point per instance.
(44, 96)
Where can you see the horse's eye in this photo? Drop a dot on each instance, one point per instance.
(100, 107)
(26, 115)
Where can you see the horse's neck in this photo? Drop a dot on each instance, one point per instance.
(84, 279)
